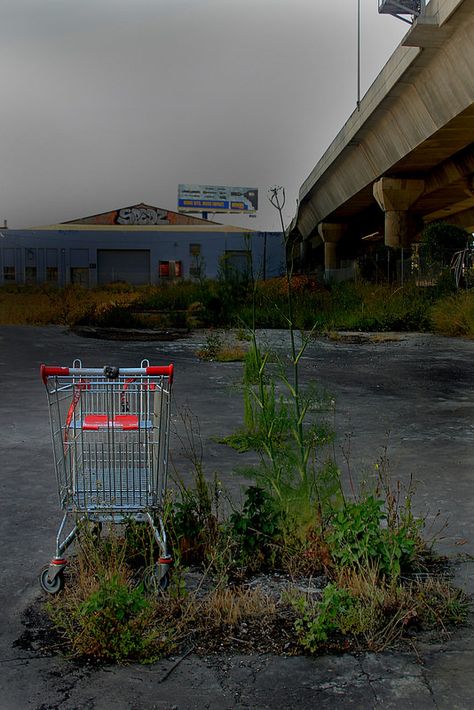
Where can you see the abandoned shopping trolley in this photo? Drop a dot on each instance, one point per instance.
(110, 435)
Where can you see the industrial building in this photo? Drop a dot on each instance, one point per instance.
(140, 244)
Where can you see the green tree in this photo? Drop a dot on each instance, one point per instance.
(440, 240)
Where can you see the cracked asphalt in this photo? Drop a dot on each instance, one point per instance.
(413, 394)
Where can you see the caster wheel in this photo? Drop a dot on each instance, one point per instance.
(152, 580)
(51, 586)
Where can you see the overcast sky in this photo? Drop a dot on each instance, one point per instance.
(106, 103)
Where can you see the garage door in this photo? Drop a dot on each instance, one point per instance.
(130, 265)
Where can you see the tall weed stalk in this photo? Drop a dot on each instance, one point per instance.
(277, 415)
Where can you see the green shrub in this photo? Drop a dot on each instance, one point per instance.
(440, 240)
(256, 529)
(111, 621)
(103, 612)
(357, 537)
(316, 622)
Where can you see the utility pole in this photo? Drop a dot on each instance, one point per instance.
(358, 55)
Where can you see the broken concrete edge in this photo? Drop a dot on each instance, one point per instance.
(129, 333)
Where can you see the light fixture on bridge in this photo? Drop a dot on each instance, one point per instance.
(373, 237)
(398, 8)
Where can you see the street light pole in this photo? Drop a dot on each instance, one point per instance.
(358, 55)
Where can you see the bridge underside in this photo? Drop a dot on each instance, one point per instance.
(406, 158)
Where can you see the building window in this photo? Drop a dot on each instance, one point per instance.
(9, 273)
(164, 269)
(170, 269)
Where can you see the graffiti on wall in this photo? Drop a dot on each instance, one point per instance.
(142, 215)
(138, 215)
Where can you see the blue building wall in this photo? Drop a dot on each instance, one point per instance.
(61, 255)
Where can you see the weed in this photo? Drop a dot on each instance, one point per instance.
(223, 303)
(361, 609)
(110, 620)
(439, 604)
(256, 530)
(316, 622)
(218, 349)
(103, 613)
(226, 608)
(212, 347)
(196, 315)
(357, 537)
(194, 518)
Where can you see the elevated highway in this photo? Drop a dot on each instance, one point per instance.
(405, 157)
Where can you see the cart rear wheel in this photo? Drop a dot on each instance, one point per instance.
(153, 582)
(51, 586)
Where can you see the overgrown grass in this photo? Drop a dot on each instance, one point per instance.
(107, 612)
(71, 305)
(347, 306)
(359, 610)
(454, 315)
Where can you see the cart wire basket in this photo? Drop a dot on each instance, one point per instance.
(110, 434)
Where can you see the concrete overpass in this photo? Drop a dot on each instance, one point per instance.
(405, 157)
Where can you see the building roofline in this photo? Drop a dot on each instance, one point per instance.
(76, 227)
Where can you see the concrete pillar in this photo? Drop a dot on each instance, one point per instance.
(395, 196)
(304, 252)
(330, 234)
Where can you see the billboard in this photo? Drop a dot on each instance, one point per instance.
(215, 198)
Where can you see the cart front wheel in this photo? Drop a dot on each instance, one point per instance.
(51, 586)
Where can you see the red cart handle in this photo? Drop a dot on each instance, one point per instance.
(167, 370)
(46, 371)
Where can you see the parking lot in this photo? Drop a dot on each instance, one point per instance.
(410, 393)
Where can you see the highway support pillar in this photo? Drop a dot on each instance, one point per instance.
(395, 196)
(330, 234)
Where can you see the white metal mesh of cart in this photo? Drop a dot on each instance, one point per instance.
(110, 435)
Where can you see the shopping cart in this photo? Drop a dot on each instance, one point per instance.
(110, 435)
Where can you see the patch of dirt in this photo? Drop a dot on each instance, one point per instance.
(133, 334)
(40, 636)
(363, 338)
(269, 634)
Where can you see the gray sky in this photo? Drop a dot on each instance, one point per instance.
(105, 103)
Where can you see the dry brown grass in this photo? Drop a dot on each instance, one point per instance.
(65, 306)
(229, 606)
(454, 315)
